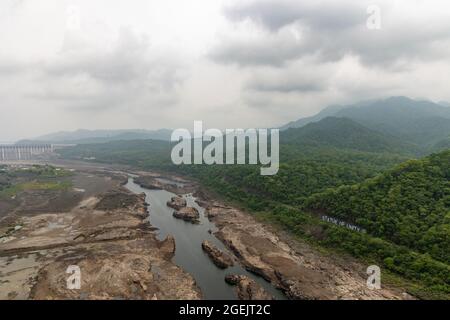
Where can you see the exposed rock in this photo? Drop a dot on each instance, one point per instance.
(220, 259)
(187, 214)
(301, 273)
(210, 213)
(247, 289)
(148, 183)
(170, 183)
(176, 203)
(167, 247)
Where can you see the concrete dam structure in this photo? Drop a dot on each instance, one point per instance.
(24, 152)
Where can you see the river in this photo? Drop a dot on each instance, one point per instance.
(188, 239)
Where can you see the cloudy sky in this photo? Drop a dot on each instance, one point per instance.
(110, 64)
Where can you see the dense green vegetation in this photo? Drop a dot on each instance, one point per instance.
(406, 211)
(344, 133)
(423, 123)
(427, 277)
(303, 172)
(136, 153)
(408, 205)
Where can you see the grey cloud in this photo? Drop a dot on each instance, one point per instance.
(286, 87)
(130, 60)
(274, 51)
(11, 66)
(287, 83)
(126, 76)
(330, 31)
(277, 14)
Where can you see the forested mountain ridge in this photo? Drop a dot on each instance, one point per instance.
(408, 205)
(344, 133)
(420, 122)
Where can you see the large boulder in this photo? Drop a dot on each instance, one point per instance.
(247, 289)
(187, 214)
(176, 203)
(220, 259)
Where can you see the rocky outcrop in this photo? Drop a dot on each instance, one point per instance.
(176, 203)
(167, 247)
(148, 183)
(290, 265)
(247, 289)
(187, 214)
(220, 258)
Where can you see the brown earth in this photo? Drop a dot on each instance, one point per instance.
(106, 235)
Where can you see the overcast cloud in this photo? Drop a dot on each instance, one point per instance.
(110, 64)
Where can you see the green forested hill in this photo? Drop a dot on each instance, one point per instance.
(344, 133)
(414, 121)
(408, 205)
(304, 170)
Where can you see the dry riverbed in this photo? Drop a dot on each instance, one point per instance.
(105, 233)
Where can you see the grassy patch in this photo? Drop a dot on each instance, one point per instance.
(35, 185)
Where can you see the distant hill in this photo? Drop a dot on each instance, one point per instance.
(344, 133)
(329, 111)
(422, 122)
(442, 145)
(132, 152)
(100, 136)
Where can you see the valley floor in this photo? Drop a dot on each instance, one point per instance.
(104, 231)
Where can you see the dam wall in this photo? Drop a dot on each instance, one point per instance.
(24, 152)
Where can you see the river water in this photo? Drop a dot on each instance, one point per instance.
(188, 239)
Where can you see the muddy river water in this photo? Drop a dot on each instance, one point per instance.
(188, 239)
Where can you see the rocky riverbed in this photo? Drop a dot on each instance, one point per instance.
(294, 267)
(106, 235)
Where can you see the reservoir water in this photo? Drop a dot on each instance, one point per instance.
(188, 239)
